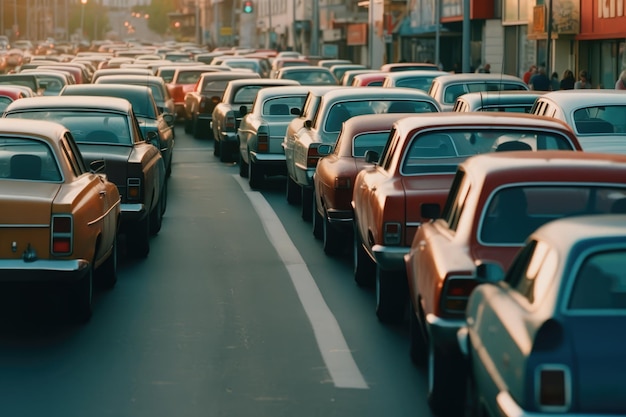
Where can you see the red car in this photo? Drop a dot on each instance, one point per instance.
(410, 182)
(183, 81)
(335, 173)
(495, 202)
(369, 79)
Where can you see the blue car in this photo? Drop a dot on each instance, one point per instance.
(546, 338)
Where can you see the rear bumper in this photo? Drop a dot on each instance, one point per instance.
(43, 270)
(132, 212)
(390, 258)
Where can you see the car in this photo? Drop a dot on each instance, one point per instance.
(597, 116)
(519, 101)
(206, 94)
(339, 69)
(322, 126)
(59, 216)
(327, 63)
(410, 182)
(541, 341)
(348, 76)
(279, 63)
(144, 108)
(164, 102)
(242, 63)
(262, 131)
(51, 82)
(9, 94)
(108, 129)
(495, 202)
(335, 173)
(183, 80)
(420, 79)
(369, 79)
(26, 80)
(307, 75)
(447, 88)
(408, 66)
(119, 71)
(237, 100)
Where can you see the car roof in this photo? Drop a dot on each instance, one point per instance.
(470, 77)
(40, 128)
(229, 75)
(378, 92)
(262, 81)
(501, 97)
(414, 73)
(570, 100)
(113, 103)
(296, 89)
(371, 122)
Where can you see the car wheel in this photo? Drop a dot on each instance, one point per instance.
(294, 194)
(307, 203)
(138, 238)
(216, 148)
(364, 266)
(389, 300)
(447, 378)
(224, 152)
(318, 227)
(243, 167)
(188, 126)
(418, 348)
(107, 273)
(255, 175)
(82, 297)
(156, 217)
(197, 131)
(333, 239)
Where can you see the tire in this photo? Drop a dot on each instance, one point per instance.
(138, 238)
(333, 239)
(389, 297)
(364, 267)
(156, 217)
(293, 193)
(216, 148)
(197, 133)
(81, 298)
(243, 167)
(447, 378)
(188, 126)
(307, 204)
(106, 275)
(318, 227)
(418, 346)
(255, 175)
(224, 152)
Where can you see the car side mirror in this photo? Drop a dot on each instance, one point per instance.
(97, 166)
(489, 271)
(324, 149)
(243, 110)
(430, 210)
(169, 118)
(153, 138)
(371, 157)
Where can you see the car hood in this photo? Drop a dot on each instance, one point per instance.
(26, 203)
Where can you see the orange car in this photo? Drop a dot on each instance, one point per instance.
(495, 202)
(59, 218)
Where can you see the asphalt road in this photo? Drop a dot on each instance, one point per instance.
(235, 312)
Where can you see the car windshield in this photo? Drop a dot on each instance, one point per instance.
(27, 159)
(600, 284)
(419, 83)
(513, 213)
(86, 126)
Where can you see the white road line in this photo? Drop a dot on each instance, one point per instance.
(330, 341)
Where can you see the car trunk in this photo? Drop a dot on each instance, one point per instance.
(25, 210)
(277, 135)
(600, 375)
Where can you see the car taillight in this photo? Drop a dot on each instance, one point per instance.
(312, 156)
(553, 387)
(342, 183)
(263, 143)
(229, 121)
(392, 233)
(133, 189)
(456, 292)
(62, 232)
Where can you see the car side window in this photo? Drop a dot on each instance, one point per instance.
(387, 155)
(600, 283)
(538, 274)
(456, 200)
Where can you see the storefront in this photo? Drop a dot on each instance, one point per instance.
(601, 41)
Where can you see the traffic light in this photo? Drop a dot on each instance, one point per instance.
(247, 7)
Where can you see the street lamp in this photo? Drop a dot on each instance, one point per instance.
(82, 18)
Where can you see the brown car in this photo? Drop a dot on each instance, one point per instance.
(201, 101)
(59, 218)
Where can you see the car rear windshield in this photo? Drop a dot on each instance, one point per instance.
(27, 159)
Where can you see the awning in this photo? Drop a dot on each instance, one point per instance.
(405, 29)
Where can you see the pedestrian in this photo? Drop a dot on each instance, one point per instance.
(620, 84)
(555, 84)
(540, 81)
(583, 80)
(485, 69)
(531, 71)
(568, 80)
